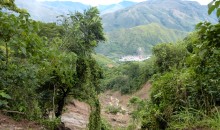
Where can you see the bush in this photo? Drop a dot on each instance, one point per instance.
(105, 125)
(50, 124)
(114, 109)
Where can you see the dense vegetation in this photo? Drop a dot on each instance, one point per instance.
(44, 64)
(127, 77)
(185, 91)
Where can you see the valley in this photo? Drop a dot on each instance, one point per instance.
(126, 65)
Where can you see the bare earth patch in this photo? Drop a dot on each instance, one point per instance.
(76, 114)
(109, 98)
(7, 123)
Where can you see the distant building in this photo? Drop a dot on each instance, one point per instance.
(134, 58)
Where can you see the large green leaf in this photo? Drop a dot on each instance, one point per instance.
(4, 95)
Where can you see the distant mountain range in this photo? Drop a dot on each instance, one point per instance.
(175, 14)
(47, 11)
(129, 25)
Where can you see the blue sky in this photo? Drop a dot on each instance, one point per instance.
(104, 2)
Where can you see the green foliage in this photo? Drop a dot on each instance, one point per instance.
(128, 77)
(169, 56)
(114, 109)
(105, 125)
(50, 124)
(95, 121)
(10, 5)
(83, 31)
(185, 92)
(3, 98)
(104, 61)
(50, 30)
(214, 5)
(50, 64)
(20, 49)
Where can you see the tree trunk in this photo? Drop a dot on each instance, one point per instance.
(60, 106)
(61, 103)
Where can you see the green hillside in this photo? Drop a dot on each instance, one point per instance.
(175, 14)
(127, 41)
(104, 61)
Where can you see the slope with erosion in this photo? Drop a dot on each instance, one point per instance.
(76, 115)
(127, 41)
(175, 14)
(116, 99)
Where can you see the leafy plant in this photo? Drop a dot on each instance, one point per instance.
(113, 109)
(3, 99)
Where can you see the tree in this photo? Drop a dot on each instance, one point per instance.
(20, 49)
(80, 76)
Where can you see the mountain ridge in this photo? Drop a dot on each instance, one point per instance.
(47, 11)
(176, 14)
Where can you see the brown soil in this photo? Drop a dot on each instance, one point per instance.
(76, 114)
(121, 120)
(7, 123)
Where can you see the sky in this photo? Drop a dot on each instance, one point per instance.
(106, 2)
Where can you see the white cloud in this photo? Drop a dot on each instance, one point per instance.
(106, 2)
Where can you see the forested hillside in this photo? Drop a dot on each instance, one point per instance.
(185, 82)
(174, 14)
(148, 23)
(123, 42)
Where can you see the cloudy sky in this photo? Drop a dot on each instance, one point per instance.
(104, 2)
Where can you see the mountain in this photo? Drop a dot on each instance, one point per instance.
(131, 26)
(114, 7)
(47, 11)
(175, 14)
(128, 41)
(38, 11)
(66, 6)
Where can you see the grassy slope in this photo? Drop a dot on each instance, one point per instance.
(104, 61)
